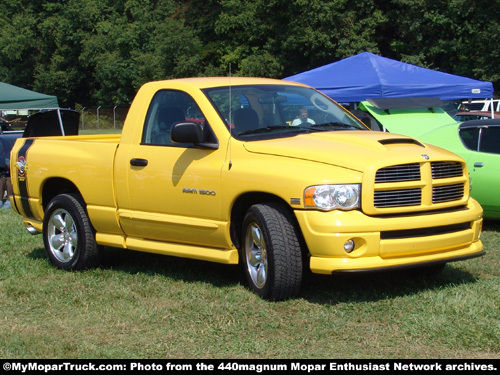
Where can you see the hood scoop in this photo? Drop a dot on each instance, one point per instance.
(400, 141)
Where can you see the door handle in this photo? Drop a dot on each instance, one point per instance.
(479, 164)
(138, 162)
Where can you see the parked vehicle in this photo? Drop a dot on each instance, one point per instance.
(408, 116)
(486, 105)
(43, 123)
(476, 141)
(7, 140)
(4, 125)
(474, 115)
(244, 186)
(51, 122)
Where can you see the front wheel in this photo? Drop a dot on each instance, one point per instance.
(271, 251)
(68, 235)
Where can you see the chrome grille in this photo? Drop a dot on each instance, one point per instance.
(447, 193)
(418, 185)
(443, 169)
(398, 198)
(396, 173)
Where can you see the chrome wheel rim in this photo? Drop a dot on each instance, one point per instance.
(256, 255)
(62, 235)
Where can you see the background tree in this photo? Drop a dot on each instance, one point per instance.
(99, 52)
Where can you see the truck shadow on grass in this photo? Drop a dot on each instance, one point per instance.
(376, 286)
(321, 289)
(491, 225)
(318, 289)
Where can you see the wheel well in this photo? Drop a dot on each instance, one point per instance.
(56, 186)
(240, 208)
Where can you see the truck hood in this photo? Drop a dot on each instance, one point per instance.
(356, 150)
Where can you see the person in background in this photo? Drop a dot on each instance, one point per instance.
(5, 191)
(5, 185)
(303, 118)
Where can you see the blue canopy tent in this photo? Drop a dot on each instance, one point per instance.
(367, 75)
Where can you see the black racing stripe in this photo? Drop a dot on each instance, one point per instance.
(22, 180)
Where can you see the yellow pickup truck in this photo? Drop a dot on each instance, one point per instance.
(267, 173)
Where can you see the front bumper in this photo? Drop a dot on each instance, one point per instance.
(390, 241)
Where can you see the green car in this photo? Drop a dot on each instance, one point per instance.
(477, 141)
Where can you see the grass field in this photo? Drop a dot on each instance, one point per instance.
(139, 305)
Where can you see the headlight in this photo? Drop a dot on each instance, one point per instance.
(333, 197)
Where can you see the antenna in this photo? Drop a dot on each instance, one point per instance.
(230, 121)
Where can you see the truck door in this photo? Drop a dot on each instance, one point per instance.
(172, 190)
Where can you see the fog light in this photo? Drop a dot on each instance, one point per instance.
(349, 246)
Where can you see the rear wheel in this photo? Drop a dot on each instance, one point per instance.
(271, 252)
(68, 236)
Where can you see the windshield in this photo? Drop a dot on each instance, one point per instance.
(268, 111)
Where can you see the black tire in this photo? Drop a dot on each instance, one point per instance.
(271, 252)
(68, 235)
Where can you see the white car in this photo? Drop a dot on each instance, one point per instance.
(482, 105)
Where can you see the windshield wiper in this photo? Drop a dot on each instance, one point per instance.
(329, 125)
(270, 129)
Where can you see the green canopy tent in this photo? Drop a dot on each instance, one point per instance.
(16, 98)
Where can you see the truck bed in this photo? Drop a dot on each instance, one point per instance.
(85, 161)
(108, 138)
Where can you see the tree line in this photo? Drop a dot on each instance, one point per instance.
(89, 52)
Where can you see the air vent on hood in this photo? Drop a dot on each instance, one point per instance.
(400, 141)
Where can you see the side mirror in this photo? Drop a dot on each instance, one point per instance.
(187, 132)
(190, 132)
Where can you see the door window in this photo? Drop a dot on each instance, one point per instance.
(168, 108)
(490, 140)
(470, 138)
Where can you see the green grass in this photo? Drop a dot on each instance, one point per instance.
(100, 131)
(139, 305)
